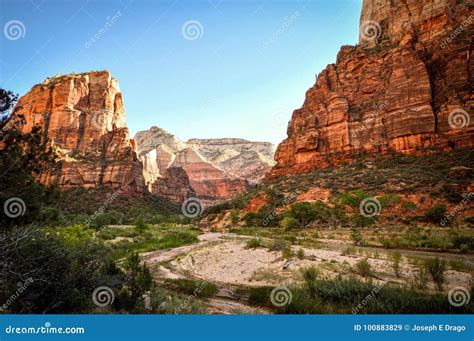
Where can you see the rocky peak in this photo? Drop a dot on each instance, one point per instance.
(402, 22)
(406, 87)
(84, 117)
(217, 168)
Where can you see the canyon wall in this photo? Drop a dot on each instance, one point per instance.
(407, 86)
(83, 115)
(218, 169)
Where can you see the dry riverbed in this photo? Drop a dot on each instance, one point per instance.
(225, 260)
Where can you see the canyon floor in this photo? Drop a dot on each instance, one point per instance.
(236, 262)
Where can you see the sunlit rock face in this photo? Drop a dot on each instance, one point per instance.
(84, 117)
(217, 168)
(406, 87)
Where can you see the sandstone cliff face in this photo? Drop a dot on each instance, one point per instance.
(84, 117)
(407, 86)
(217, 168)
(174, 185)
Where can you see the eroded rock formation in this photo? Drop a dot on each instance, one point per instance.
(406, 87)
(84, 117)
(217, 168)
(173, 184)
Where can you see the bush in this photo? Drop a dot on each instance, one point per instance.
(436, 269)
(191, 287)
(303, 213)
(140, 225)
(64, 271)
(356, 236)
(345, 295)
(138, 281)
(287, 253)
(278, 245)
(310, 275)
(408, 206)
(396, 263)
(289, 223)
(363, 268)
(436, 214)
(234, 217)
(250, 218)
(253, 243)
(300, 254)
(353, 198)
(389, 200)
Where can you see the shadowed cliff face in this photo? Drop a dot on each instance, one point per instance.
(84, 117)
(407, 86)
(217, 168)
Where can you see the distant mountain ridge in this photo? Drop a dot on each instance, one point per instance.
(217, 168)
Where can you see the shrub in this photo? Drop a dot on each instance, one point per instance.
(289, 223)
(287, 253)
(436, 269)
(250, 218)
(463, 243)
(253, 243)
(310, 275)
(138, 281)
(408, 206)
(353, 198)
(389, 200)
(191, 287)
(234, 217)
(420, 280)
(303, 212)
(356, 236)
(300, 254)
(278, 245)
(363, 268)
(396, 256)
(140, 225)
(343, 295)
(436, 214)
(457, 265)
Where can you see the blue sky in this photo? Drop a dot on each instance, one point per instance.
(239, 70)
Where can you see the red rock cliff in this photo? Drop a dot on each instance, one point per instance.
(84, 117)
(405, 87)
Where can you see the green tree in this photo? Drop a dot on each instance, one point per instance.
(303, 212)
(138, 281)
(23, 158)
(289, 223)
